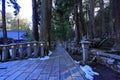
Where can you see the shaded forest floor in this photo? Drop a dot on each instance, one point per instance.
(105, 73)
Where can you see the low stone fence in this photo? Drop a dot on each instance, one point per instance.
(110, 60)
(22, 50)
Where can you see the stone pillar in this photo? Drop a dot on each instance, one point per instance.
(42, 52)
(29, 51)
(36, 48)
(4, 52)
(12, 50)
(20, 50)
(85, 47)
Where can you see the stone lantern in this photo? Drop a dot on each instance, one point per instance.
(85, 47)
(4, 53)
(42, 44)
(12, 50)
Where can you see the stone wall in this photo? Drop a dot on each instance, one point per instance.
(110, 60)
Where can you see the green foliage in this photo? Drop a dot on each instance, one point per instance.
(61, 28)
(29, 35)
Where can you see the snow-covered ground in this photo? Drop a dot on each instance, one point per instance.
(89, 73)
(42, 58)
(77, 62)
(50, 53)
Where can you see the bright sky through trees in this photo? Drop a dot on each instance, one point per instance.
(25, 10)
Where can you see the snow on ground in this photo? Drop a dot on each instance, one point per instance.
(50, 53)
(89, 73)
(45, 58)
(42, 58)
(77, 62)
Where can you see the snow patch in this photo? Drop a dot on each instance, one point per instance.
(77, 62)
(110, 61)
(50, 53)
(42, 58)
(10, 50)
(33, 58)
(89, 73)
(45, 58)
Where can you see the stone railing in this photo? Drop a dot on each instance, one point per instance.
(22, 50)
(110, 60)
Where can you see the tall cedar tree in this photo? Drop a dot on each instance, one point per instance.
(92, 22)
(77, 26)
(116, 16)
(4, 21)
(35, 20)
(46, 21)
(102, 17)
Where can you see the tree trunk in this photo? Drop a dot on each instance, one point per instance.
(42, 27)
(49, 12)
(4, 21)
(35, 21)
(102, 17)
(77, 28)
(116, 12)
(82, 18)
(111, 18)
(92, 21)
(46, 21)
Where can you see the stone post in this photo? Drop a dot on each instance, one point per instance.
(29, 51)
(21, 53)
(4, 52)
(85, 47)
(42, 44)
(12, 50)
(36, 48)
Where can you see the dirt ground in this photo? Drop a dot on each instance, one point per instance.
(104, 72)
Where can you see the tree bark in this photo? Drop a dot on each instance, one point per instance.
(46, 21)
(116, 16)
(35, 21)
(49, 12)
(82, 18)
(4, 21)
(111, 18)
(77, 27)
(102, 17)
(42, 27)
(92, 21)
